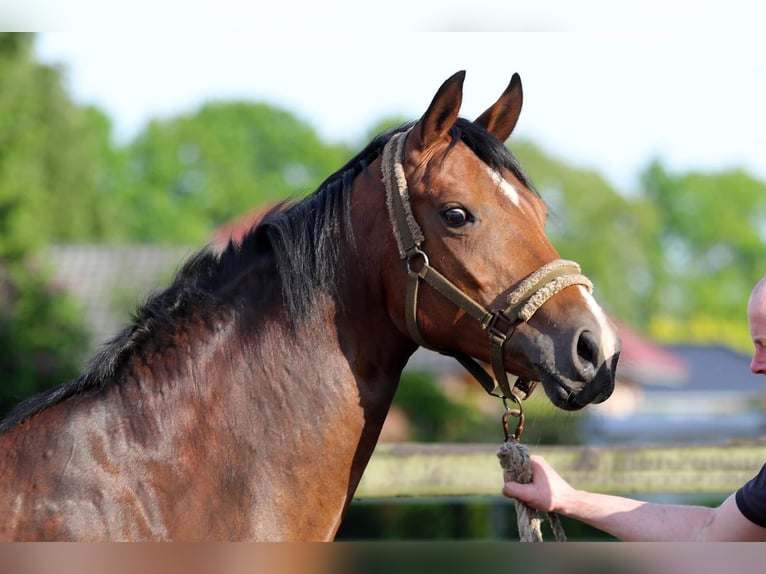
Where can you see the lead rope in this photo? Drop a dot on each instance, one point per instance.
(514, 460)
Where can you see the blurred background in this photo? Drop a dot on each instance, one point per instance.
(121, 154)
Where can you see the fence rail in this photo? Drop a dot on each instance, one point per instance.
(415, 469)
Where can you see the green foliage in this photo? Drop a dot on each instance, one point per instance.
(50, 157)
(708, 253)
(434, 416)
(417, 520)
(467, 519)
(41, 334)
(55, 158)
(187, 175)
(438, 417)
(702, 329)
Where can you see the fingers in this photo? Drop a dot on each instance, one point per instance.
(536, 493)
(515, 489)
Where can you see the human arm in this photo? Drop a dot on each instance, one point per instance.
(629, 519)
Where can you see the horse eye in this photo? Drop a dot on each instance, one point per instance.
(456, 216)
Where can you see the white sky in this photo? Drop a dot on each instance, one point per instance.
(609, 100)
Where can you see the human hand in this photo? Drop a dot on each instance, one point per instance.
(547, 491)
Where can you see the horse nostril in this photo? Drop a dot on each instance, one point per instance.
(586, 357)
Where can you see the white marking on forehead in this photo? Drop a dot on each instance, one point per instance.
(608, 334)
(507, 188)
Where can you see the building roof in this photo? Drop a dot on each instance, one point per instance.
(648, 363)
(714, 368)
(235, 229)
(110, 281)
(719, 400)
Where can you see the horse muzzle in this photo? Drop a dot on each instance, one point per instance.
(594, 383)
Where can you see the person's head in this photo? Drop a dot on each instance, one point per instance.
(756, 318)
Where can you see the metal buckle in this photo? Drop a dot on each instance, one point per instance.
(525, 387)
(494, 330)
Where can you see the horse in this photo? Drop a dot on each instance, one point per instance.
(244, 401)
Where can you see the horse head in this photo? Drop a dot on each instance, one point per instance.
(475, 263)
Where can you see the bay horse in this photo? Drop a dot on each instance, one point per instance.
(244, 401)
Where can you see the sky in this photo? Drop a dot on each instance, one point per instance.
(610, 98)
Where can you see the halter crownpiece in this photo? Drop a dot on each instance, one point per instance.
(522, 302)
(398, 197)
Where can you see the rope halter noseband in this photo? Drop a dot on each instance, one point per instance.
(500, 324)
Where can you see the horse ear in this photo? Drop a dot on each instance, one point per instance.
(442, 113)
(501, 117)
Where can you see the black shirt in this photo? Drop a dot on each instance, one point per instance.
(751, 499)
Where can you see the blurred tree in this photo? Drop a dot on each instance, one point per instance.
(189, 174)
(55, 158)
(437, 416)
(709, 254)
(49, 160)
(41, 333)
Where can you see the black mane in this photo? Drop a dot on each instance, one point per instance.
(305, 239)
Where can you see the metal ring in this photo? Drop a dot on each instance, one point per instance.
(416, 253)
(509, 412)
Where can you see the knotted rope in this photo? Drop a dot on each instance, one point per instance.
(514, 459)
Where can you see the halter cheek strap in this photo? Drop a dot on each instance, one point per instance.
(500, 324)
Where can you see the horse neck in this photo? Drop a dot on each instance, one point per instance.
(283, 412)
(309, 398)
(330, 383)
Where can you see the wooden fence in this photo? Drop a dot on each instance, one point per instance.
(428, 470)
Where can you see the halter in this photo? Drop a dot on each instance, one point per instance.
(500, 324)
